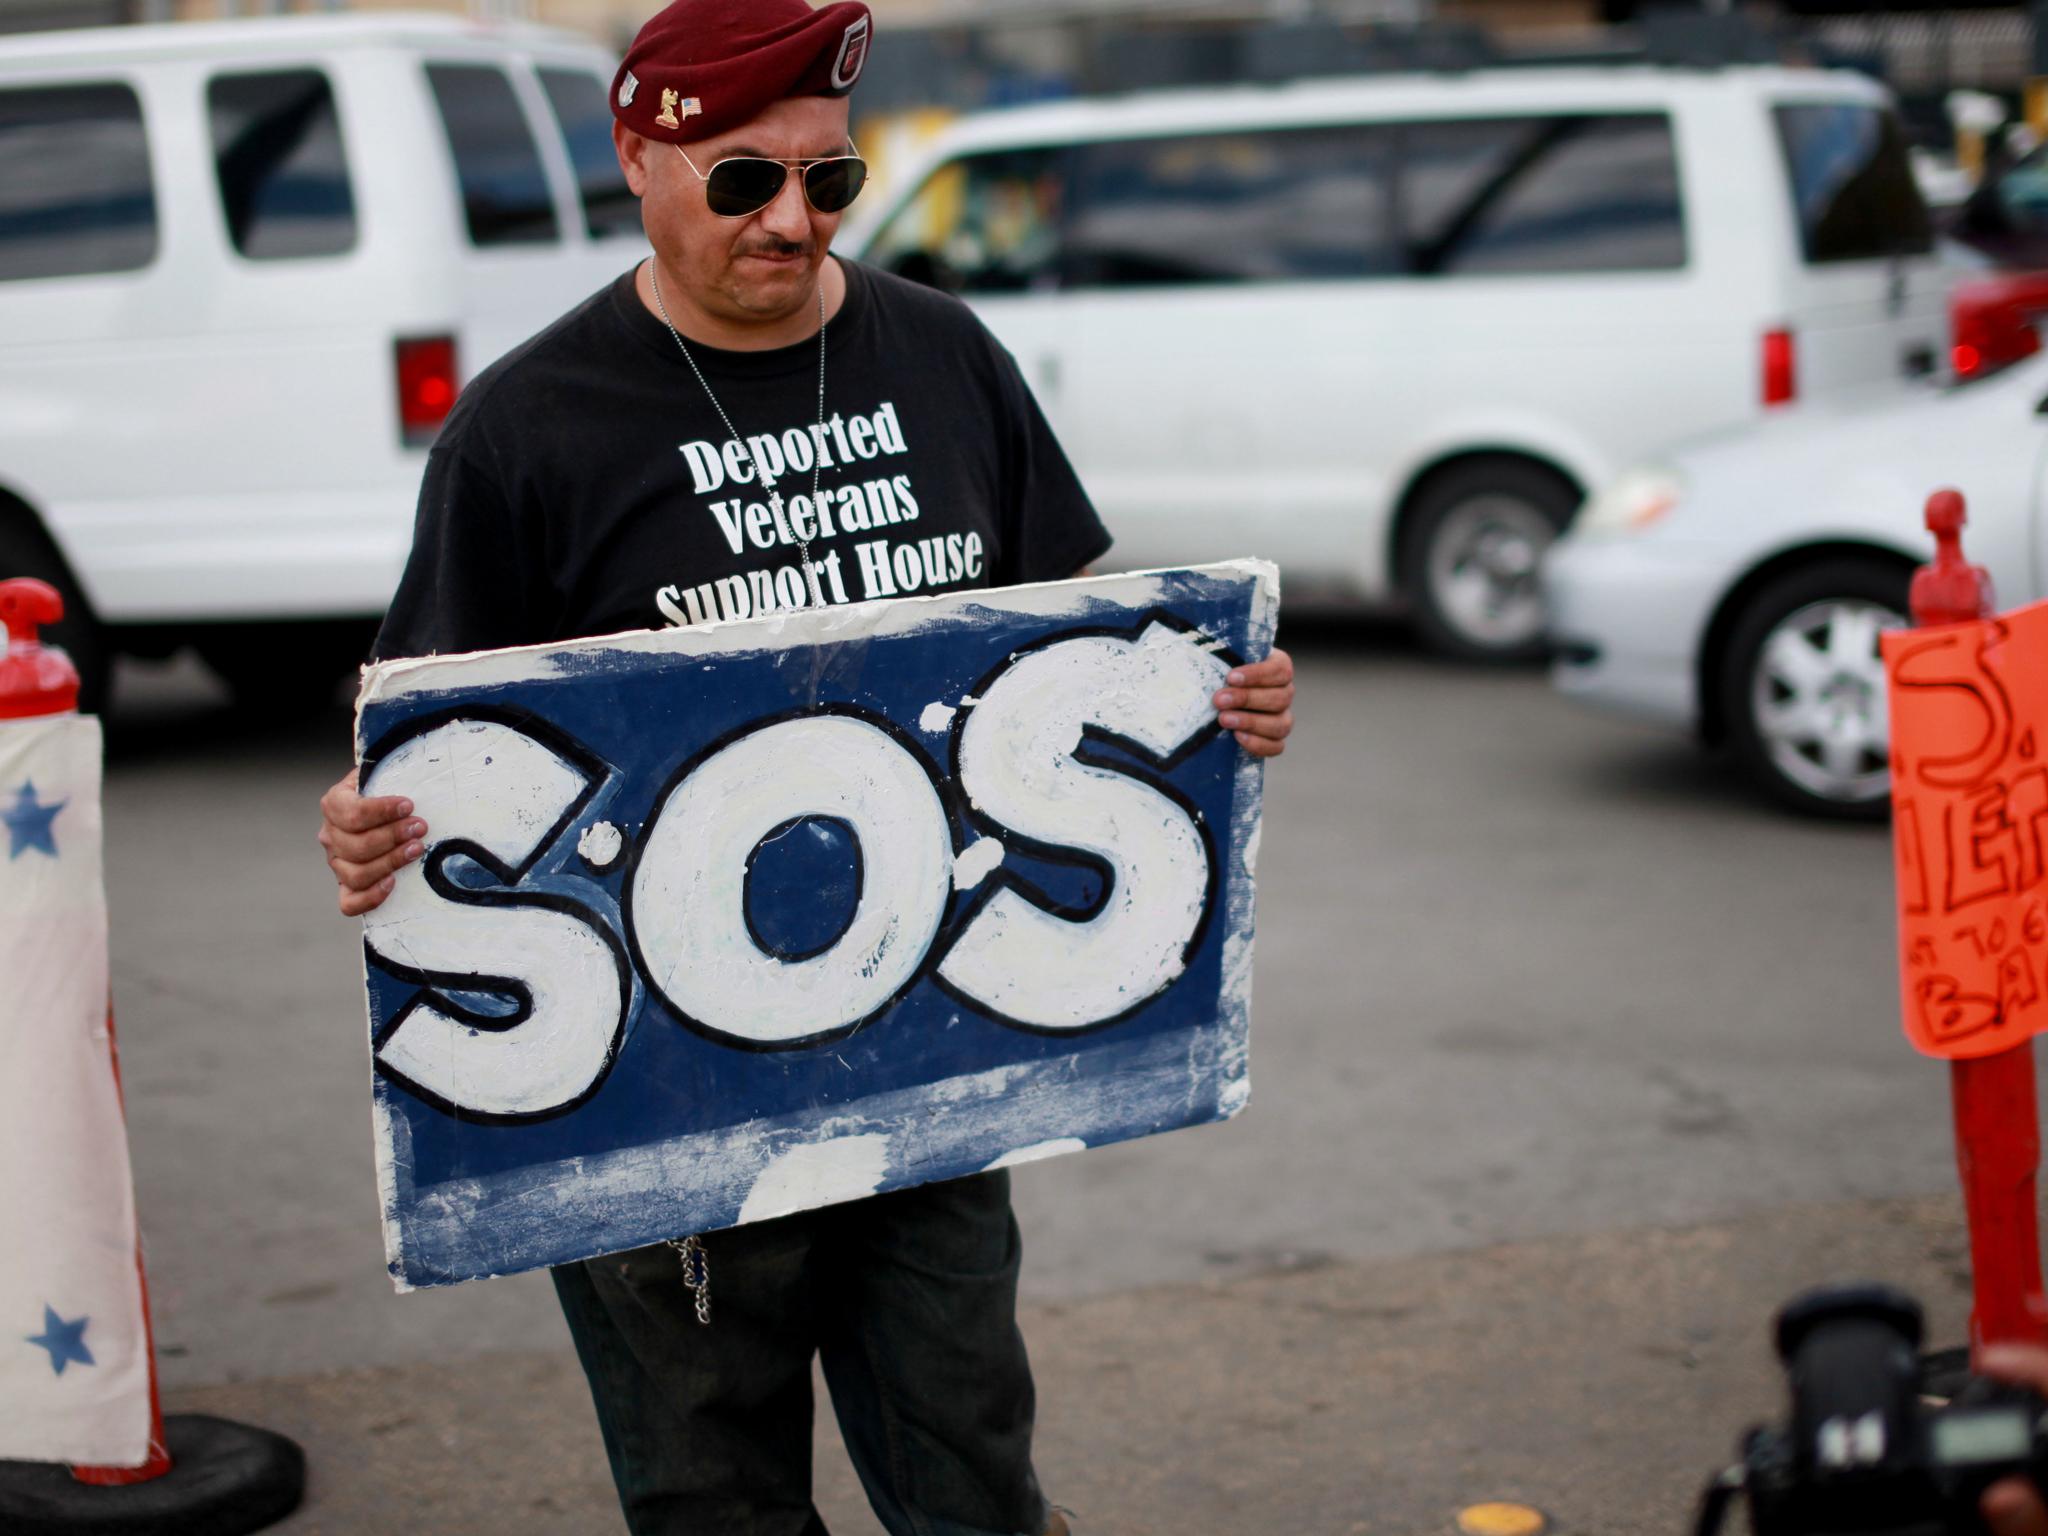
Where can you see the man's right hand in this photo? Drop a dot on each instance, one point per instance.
(368, 841)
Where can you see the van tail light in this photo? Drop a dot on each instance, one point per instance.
(426, 387)
(1781, 376)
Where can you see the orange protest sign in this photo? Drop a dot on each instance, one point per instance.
(1969, 720)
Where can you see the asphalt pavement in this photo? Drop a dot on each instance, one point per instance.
(1570, 1061)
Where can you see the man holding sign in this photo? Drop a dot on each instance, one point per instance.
(745, 426)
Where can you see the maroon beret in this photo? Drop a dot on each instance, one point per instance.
(702, 67)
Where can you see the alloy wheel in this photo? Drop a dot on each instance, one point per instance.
(1817, 696)
(1482, 570)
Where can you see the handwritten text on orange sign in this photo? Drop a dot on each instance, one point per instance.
(1969, 717)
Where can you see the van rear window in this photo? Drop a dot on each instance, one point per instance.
(585, 118)
(1852, 185)
(504, 190)
(75, 191)
(278, 158)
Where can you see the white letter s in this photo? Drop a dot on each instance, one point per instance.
(499, 795)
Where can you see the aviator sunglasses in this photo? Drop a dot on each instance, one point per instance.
(745, 184)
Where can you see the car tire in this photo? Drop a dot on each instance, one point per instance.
(27, 551)
(1802, 687)
(1474, 538)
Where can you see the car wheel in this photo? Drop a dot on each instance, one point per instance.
(1803, 689)
(1476, 536)
(28, 552)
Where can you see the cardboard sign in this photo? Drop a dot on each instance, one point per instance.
(720, 923)
(1969, 726)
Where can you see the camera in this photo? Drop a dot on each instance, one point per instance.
(1867, 1447)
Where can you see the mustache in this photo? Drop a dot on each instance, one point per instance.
(774, 245)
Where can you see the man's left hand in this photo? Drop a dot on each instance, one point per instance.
(1258, 705)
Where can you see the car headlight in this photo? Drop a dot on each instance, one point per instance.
(1630, 504)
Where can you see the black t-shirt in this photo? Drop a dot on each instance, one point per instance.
(584, 484)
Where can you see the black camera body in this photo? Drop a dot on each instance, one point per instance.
(1866, 1450)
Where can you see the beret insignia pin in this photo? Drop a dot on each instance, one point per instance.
(853, 53)
(672, 103)
(627, 87)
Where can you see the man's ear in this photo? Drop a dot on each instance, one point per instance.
(632, 152)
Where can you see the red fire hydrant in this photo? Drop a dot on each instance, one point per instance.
(1998, 1128)
(35, 679)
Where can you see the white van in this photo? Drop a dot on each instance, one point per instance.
(1387, 331)
(244, 268)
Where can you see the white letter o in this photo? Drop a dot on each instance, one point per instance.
(686, 907)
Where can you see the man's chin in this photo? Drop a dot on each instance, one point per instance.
(771, 288)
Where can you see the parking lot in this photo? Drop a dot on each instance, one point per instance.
(1528, 983)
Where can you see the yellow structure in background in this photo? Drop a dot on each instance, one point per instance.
(890, 142)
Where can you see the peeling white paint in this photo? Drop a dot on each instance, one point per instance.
(601, 844)
(937, 718)
(818, 1173)
(393, 1140)
(976, 862)
(1038, 1151)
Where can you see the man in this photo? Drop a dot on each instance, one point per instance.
(744, 425)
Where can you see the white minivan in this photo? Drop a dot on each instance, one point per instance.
(244, 269)
(1387, 331)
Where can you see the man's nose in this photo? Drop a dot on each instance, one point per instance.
(788, 216)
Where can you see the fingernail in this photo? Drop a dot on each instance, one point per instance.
(405, 807)
(416, 829)
(1235, 678)
(1230, 722)
(387, 882)
(412, 851)
(1227, 701)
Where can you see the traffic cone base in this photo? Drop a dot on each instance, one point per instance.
(226, 1479)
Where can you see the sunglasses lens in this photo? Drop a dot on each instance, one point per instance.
(739, 187)
(832, 184)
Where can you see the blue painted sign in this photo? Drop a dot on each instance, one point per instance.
(720, 923)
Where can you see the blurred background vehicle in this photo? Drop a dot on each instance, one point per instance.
(1737, 588)
(1387, 331)
(2006, 215)
(1379, 286)
(244, 269)
(1995, 321)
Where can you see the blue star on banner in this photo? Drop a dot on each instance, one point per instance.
(65, 1341)
(29, 823)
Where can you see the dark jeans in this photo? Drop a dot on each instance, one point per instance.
(909, 1298)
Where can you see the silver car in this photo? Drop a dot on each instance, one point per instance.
(1737, 589)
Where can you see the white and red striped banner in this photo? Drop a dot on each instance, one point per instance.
(74, 1356)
